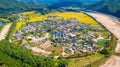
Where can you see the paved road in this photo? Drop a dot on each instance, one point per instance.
(113, 25)
(4, 31)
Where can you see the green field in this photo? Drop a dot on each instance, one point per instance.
(102, 42)
(79, 62)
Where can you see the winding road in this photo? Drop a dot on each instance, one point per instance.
(113, 25)
(4, 31)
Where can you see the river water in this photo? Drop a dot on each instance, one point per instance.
(1, 23)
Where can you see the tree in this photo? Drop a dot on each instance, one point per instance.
(12, 55)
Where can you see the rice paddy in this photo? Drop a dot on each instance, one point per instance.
(35, 17)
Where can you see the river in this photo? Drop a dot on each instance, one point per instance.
(1, 23)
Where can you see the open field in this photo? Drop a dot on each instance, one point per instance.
(34, 17)
(80, 62)
(79, 16)
(113, 25)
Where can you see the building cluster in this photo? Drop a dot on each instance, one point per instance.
(71, 34)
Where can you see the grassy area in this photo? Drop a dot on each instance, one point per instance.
(102, 42)
(11, 31)
(97, 63)
(29, 43)
(56, 53)
(4, 20)
(80, 62)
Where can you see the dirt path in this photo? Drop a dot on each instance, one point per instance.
(4, 31)
(39, 50)
(113, 25)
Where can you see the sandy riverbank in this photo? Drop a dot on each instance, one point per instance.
(4, 31)
(113, 25)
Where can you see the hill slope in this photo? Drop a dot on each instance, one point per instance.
(40, 1)
(58, 1)
(107, 6)
(6, 4)
(13, 6)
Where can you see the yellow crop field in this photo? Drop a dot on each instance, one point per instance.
(34, 17)
(79, 16)
(19, 24)
(30, 17)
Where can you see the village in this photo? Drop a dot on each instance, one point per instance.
(61, 37)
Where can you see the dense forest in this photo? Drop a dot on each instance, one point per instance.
(12, 55)
(8, 7)
(107, 6)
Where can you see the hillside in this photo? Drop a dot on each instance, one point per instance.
(7, 4)
(72, 3)
(107, 6)
(37, 3)
(40, 1)
(67, 4)
(14, 6)
(58, 1)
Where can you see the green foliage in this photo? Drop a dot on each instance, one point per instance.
(8, 7)
(90, 41)
(107, 6)
(102, 42)
(96, 63)
(15, 56)
(80, 62)
(81, 55)
(110, 48)
(11, 31)
(56, 53)
(106, 51)
(7, 61)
